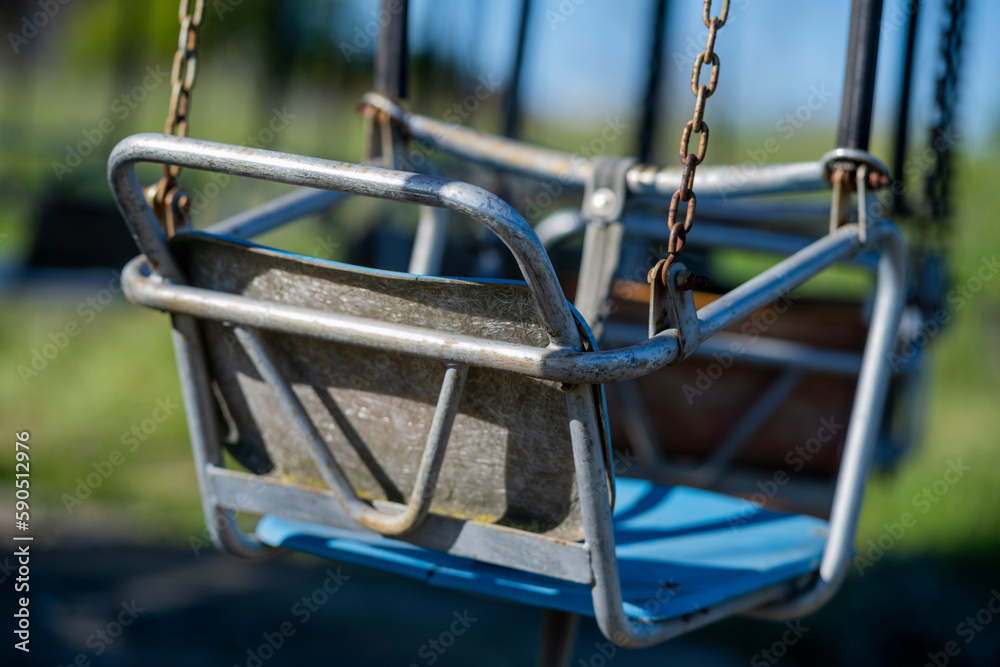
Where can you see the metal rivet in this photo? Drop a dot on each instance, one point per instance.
(603, 200)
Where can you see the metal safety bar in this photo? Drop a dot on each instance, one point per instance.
(562, 364)
(277, 212)
(566, 223)
(573, 170)
(561, 360)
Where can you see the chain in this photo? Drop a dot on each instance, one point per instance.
(937, 187)
(697, 125)
(169, 202)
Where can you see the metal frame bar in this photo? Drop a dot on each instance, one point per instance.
(905, 98)
(484, 542)
(557, 362)
(277, 212)
(573, 170)
(862, 431)
(578, 369)
(565, 223)
(391, 55)
(654, 83)
(405, 519)
(512, 96)
(854, 129)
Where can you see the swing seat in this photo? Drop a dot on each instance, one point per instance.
(681, 551)
(506, 458)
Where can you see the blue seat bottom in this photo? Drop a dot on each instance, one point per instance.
(680, 550)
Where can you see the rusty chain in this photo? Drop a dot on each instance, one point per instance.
(697, 125)
(937, 185)
(169, 201)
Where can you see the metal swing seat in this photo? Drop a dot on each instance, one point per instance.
(455, 430)
(382, 418)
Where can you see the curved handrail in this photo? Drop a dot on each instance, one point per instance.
(463, 198)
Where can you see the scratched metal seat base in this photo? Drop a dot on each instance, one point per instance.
(680, 551)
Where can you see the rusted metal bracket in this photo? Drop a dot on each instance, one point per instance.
(672, 306)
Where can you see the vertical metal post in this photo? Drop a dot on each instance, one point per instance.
(558, 638)
(391, 69)
(651, 104)
(512, 100)
(855, 126)
(903, 111)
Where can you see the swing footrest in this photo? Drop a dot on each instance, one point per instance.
(680, 551)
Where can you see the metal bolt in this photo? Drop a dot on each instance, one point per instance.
(603, 201)
(686, 280)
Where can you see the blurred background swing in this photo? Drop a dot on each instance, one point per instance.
(515, 485)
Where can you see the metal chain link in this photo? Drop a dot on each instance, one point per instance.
(937, 186)
(169, 202)
(697, 125)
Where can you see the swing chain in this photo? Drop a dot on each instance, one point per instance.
(937, 186)
(697, 125)
(170, 203)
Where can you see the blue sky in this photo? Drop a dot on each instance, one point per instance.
(587, 57)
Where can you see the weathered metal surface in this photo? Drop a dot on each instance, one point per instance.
(509, 457)
(487, 543)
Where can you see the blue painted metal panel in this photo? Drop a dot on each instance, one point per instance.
(679, 550)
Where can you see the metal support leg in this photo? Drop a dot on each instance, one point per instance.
(859, 448)
(415, 511)
(558, 638)
(198, 405)
(429, 244)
